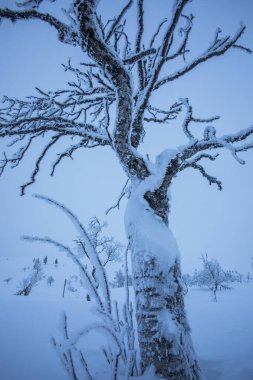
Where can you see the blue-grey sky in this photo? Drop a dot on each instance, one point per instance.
(202, 218)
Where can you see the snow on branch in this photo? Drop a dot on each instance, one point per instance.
(68, 357)
(138, 42)
(120, 78)
(217, 48)
(65, 33)
(137, 57)
(211, 179)
(157, 64)
(155, 35)
(31, 3)
(85, 366)
(189, 118)
(174, 162)
(157, 115)
(69, 152)
(107, 248)
(123, 193)
(70, 111)
(117, 20)
(18, 156)
(53, 140)
(185, 32)
(80, 111)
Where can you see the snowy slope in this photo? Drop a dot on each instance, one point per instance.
(222, 332)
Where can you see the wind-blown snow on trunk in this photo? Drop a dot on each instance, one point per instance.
(163, 330)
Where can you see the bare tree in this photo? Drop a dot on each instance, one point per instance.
(120, 279)
(50, 280)
(123, 72)
(213, 276)
(108, 249)
(186, 282)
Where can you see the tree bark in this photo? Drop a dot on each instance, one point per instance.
(163, 329)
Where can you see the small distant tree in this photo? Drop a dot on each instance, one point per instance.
(37, 267)
(108, 249)
(7, 280)
(50, 280)
(234, 276)
(120, 279)
(186, 282)
(56, 262)
(45, 260)
(71, 288)
(248, 277)
(212, 275)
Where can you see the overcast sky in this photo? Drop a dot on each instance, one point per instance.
(203, 219)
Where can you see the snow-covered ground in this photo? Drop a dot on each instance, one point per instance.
(222, 332)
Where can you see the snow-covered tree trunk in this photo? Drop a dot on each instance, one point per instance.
(163, 329)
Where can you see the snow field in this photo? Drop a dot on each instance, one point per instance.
(222, 331)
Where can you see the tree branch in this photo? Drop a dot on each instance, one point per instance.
(38, 162)
(117, 21)
(138, 42)
(113, 67)
(190, 154)
(186, 31)
(68, 153)
(189, 119)
(211, 179)
(123, 193)
(137, 57)
(65, 33)
(215, 50)
(137, 127)
(162, 116)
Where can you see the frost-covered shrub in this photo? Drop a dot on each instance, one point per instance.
(234, 276)
(120, 353)
(212, 276)
(29, 282)
(120, 279)
(71, 288)
(50, 280)
(108, 249)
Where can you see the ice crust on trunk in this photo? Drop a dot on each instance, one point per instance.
(163, 330)
(147, 232)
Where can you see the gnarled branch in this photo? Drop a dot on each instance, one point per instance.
(65, 33)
